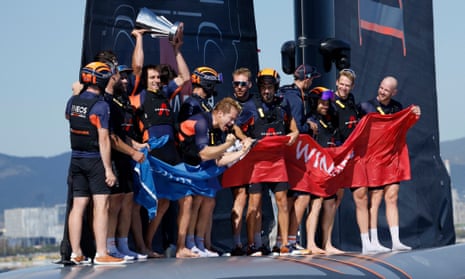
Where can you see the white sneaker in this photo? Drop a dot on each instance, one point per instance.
(211, 254)
(382, 249)
(141, 256)
(131, 255)
(118, 254)
(400, 247)
(297, 250)
(201, 253)
(374, 249)
(78, 260)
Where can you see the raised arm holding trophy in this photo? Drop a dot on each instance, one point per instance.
(159, 26)
(159, 87)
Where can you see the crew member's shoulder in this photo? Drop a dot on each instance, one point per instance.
(288, 88)
(396, 103)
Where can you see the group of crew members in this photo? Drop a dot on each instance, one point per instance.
(115, 110)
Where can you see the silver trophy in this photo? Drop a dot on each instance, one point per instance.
(159, 26)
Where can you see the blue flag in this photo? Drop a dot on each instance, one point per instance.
(157, 179)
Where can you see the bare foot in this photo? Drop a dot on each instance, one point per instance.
(316, 250)
(151, 254)
(186, 253)
(154, 255)
(333, 250)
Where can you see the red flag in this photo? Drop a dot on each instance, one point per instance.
(375, 154)
(380, 149)
(264, 163)
(311, 167)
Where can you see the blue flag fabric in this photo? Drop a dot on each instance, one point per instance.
(157, 179)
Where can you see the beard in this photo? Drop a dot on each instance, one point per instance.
(119, 89)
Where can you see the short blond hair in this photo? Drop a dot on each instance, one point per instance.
(242, 71)
(348, 73)
(226, 104)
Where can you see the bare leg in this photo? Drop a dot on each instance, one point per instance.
(185, 205)
(376, 197)
(375, 201)
(136, 228)
(100, 223)
(312, 223)
(360, 196)
(391, 194)
(283, 215)
(115, 201)
(196, 203)
(297, 212)
(240, 200)
(205, 213)
(162, 207)
(75, 223)
(124, 222)
(327, 222)
(251, 218)
(208, 211)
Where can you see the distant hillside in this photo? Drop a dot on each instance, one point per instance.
(32, 181)
(454, 151)
(41, 181)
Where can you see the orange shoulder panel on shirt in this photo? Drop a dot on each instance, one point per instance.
(187, 128)
(145, 136)
(135, 101)
(95, 120)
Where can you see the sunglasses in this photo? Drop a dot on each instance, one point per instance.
(348, 71)
(240, 83)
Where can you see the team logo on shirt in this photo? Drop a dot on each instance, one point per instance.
(163, 109)
(79, 111)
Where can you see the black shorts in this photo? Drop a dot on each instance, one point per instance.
(246, 186)
(330, 197)
(167, 153)
(352, 189)
(376, 188)
(88, 177)
(255, 188)
(122, 167)
(295, 194)
(382, 186)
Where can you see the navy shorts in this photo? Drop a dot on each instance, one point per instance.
(88, 177)
(255, 188)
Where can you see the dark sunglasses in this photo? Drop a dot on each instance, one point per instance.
(240, 83)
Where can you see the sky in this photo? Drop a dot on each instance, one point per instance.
(41, 54)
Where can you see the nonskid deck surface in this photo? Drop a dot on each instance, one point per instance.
(442, 262)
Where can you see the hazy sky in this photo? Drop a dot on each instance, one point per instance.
(41, 50)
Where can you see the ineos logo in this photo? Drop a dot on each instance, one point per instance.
(79, 109)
